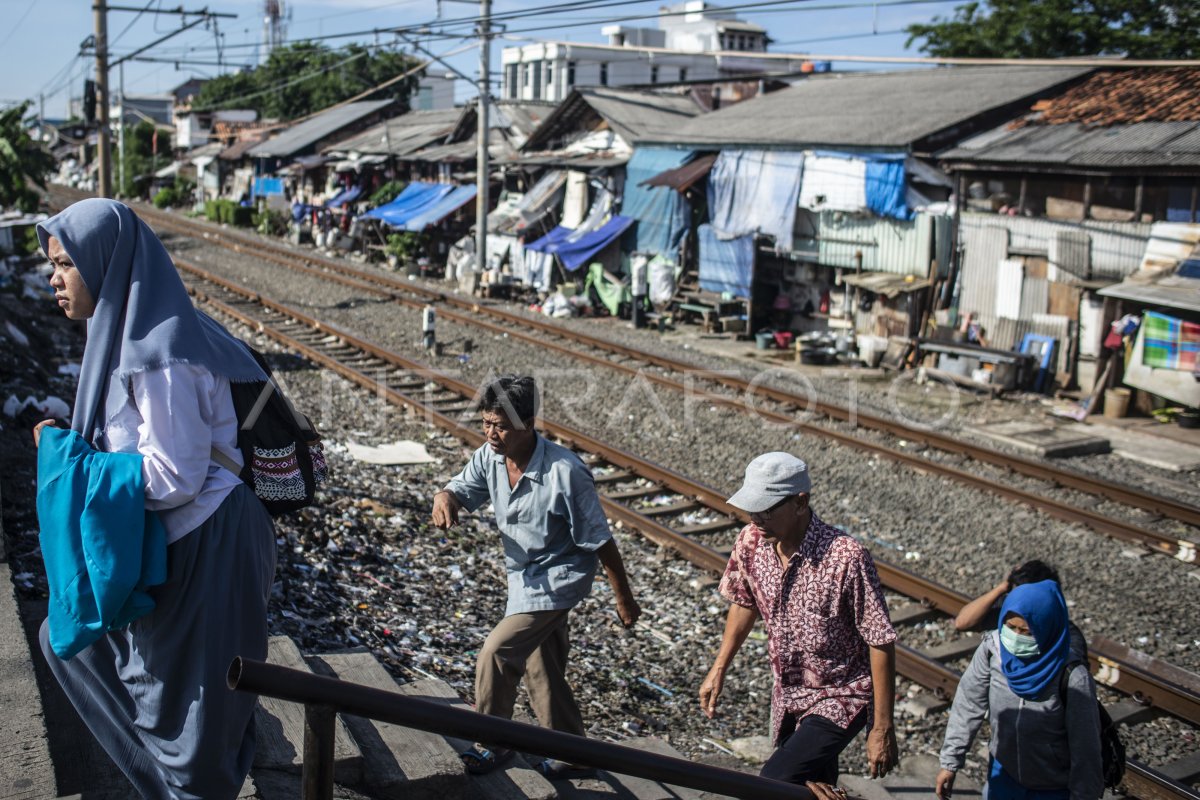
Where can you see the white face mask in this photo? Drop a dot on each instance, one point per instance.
(1019, 644)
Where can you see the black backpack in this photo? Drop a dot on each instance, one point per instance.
(1112, 749)
(283, 459)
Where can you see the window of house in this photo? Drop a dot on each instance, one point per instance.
(1169, 199)
(604, 74)
(536, 69)
(513, 85)
(525, 77)
(570, 73)
(1113, 199)
(683, 73)
(550, 93)
(654, 74)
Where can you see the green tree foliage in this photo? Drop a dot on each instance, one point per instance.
(141, 158)
(1062, 28)
(22, 161)
(305, 77)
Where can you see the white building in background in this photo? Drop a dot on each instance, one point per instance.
(694, 41)
(434, 92)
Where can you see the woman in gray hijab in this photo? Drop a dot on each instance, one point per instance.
(155, 381)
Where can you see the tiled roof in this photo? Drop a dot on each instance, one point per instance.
(1122, 96)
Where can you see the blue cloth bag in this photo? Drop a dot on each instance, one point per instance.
(102, 548)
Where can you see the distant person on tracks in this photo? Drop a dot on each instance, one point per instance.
(554, 530)
(830, 639)
(983, 613)
(1040, 701)
(155, 381)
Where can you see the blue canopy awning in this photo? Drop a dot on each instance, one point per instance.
(416, 198)
(575, 249)
(550, 242)
(439, 210)
(344, 196)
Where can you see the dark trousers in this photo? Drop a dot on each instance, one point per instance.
(810, 751)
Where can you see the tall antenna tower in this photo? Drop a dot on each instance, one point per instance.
(274, 26)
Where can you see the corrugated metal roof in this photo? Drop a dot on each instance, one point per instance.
(632, 114)
(238, 149)
(680, 178)
(400, 135)
(518, 118)
(880, 109)
(1170, 292)
(294, 139)
(1139, 144)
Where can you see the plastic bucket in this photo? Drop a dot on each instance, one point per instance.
(1116, 403)
(764, 340)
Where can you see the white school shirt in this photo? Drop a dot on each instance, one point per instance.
(174, 417)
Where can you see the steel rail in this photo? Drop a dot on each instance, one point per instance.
(1158, 504)
(1167, 545)
(1148, 680)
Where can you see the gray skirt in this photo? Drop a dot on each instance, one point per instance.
(154, 693)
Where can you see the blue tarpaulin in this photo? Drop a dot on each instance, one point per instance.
(885, 186)
(573, 250)
(660, 211)
(267, 186)
(725, 264)
(550, 242)
(755, 191)
(344, 196)
(416, 198)
(444, 207)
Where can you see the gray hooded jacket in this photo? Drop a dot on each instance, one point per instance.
(1040, 744)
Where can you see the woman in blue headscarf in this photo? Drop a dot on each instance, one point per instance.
(155, 381)
(1045, 742)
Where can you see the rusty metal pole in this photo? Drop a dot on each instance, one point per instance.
(317, 776)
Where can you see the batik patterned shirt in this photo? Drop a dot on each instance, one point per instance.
(821, 610)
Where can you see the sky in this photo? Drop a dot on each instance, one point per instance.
(40, 39)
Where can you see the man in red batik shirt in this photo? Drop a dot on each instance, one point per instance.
(829, 636)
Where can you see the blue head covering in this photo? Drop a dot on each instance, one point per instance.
(1041, 605)
(144, 319)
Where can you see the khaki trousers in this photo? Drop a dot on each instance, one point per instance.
(533, 646)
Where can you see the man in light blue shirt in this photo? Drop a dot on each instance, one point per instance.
(554, 531)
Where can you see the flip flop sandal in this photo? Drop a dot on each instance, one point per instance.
(555, 770)
(480, 760)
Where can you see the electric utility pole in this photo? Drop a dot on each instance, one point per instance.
(481, 158)
(103, 153)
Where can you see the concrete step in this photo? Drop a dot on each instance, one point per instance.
(916, 777)
(517, 780)
(80, 765)
(613, 786)
(280, 727)
(28, 771)
(398, 762)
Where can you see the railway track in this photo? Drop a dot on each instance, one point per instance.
(672, 510)
(771, 404)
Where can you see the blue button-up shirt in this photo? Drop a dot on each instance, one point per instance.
(551, 523)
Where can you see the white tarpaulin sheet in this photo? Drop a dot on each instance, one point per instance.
(834, 184)
(401, 452)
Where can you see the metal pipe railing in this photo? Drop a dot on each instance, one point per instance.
(322, 696)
